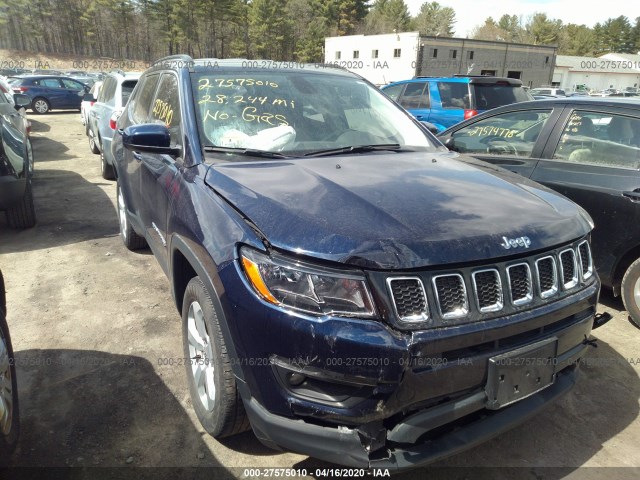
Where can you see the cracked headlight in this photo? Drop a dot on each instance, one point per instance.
(318, 290)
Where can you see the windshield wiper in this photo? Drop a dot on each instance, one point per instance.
(250, 152)
(356, 149)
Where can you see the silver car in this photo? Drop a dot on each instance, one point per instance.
(104, 113)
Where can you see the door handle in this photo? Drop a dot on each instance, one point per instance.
(633, 196)
(419, 117)
(137, 156)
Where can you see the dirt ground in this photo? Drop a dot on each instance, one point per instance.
(92, 322)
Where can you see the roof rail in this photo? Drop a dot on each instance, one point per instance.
(181, 56)
(474, 76)
(176, 61)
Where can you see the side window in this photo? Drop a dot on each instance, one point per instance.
(416, 95)
(604, 139)
(127, 88)
(110, 93)
(140, 104)
(72, 84)
(95, 90)
(512, 134)
(165, 107)
(454, 95)
(50, 83)
(393, 92)
(107, 91)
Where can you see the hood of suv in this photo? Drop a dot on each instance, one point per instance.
(397, 210)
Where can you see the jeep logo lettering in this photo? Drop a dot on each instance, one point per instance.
(508, 243)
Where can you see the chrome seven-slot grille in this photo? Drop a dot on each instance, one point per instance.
(491, 289)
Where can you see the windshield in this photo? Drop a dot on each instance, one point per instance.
(298, 113)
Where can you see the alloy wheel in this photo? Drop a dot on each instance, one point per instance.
(122, 214)
(201, 355)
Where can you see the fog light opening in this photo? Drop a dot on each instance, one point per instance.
(296, 378)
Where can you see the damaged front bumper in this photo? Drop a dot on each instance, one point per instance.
(394, 410)
(352, 446)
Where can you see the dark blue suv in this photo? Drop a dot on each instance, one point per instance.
(348, 288)
(445, 101)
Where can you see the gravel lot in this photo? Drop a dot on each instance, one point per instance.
(93, 324)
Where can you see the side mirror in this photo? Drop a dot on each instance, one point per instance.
(88, 97)
(21, 100)
(431, 127)
(450, 144)
(149, 137)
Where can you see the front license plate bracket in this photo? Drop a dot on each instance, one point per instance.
(520, 373)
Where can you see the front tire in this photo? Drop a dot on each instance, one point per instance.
(631, 291)
(9, 411)
(212, 385)
(40, 105)
(129, 237)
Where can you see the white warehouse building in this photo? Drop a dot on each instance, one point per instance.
(387, 58)
(613, 70)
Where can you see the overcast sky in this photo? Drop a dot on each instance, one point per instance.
(470, 13)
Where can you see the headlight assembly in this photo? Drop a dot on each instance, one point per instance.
(312, 289)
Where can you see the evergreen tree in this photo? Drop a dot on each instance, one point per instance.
(434, 19)
(270, 29)
(387, 16)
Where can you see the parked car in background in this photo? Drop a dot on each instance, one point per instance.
(9, 409)
(554, 92)
(578, 93)
(347, 287)
(445, 101)
(85, 79)
(87, 102)
(11, 72)
(45, 71)
(6, 90)
(75, 73)
(50, 92)
(588, 149)
(16, 164)
(112, 97)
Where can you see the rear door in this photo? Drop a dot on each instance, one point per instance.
(594, 159)
(415, 99)
(51, 89)
(507, 139)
